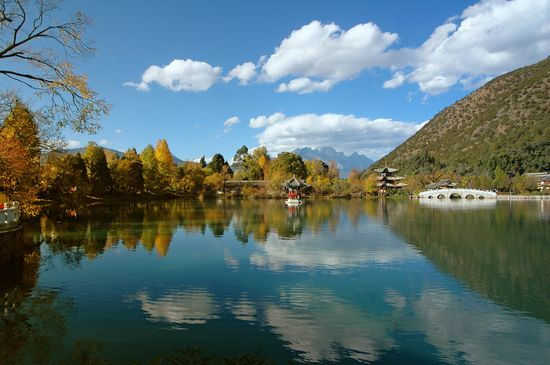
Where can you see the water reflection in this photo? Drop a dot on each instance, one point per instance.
(459, 203)
(501, 253)
(321, 327)
(336, 281)
(479, 334)
(190, 306)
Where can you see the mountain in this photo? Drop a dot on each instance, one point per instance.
(110, 152)
(327, 154)
(505, 123)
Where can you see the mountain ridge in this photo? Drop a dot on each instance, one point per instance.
(505, 123)
(345, 163)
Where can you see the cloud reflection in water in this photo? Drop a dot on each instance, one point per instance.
(192, 306)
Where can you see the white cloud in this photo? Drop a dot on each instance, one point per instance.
(193, 306)
(263, 121)
(179, 75)
(304, 85)
(244, 72)
(491, 38)
(323, 54)
(118, 131)
(104, 142)
(71, 143)
(229, 123)
(397, 80)
(345, 133)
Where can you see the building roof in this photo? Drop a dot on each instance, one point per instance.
(392, 178)
(441, 184)
(295, 183)
(386, 169)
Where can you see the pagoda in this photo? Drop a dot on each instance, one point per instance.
(294, 186)
(387, 181)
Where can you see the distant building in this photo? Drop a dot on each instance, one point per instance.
(387, 181)
(542, 179)
(442, 184)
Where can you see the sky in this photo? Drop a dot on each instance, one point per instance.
(210, 76)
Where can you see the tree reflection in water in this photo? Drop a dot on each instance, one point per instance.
(500, 252)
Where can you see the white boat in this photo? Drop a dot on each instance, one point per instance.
(293, 202)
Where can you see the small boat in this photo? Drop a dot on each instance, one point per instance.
(293, 199)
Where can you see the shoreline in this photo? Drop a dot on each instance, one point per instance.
(523, 197)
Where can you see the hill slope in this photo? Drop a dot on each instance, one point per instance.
(505, 123)
(327, 154)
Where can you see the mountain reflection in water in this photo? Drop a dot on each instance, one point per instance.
(331, 281)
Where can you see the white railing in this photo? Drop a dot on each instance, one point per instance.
(10, 214)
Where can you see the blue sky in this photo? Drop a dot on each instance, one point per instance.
(358, 75)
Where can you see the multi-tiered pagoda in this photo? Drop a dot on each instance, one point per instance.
(387, 181)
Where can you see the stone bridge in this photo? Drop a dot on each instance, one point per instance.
(457, 193)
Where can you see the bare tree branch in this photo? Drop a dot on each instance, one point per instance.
(37, 53)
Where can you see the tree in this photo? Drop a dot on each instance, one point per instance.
(333, 170)
(202, 162)
(37, 52)
(64, 178)
(217, 163)
(165, 162)
(128, 173)
(192, 182)
(240, 157)
(150, 169)
(501, 181)
(288, 164)
(98, 171)
(20, 157)
(370, 186)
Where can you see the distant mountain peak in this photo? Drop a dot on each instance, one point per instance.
(345, 163)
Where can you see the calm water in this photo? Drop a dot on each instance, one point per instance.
(329, 282)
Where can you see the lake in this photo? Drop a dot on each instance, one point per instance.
(332, 281)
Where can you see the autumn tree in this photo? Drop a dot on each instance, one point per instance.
(166, 166)
(98, 170)
(150, 169)
(127, 173)
(20, 157)
(64, 178)
(36, 51)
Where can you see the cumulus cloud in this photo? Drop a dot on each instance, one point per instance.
(396, 81)
(104, 142)
(490, 38)
(346, 133)
(118, 131)
(179, 75)
(304, 85)
(324, 54)
(263, 121)
(244, 72)
(230, 122)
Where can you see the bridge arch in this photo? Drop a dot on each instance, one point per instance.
(455, 196)
(441, 196)
(470, 196)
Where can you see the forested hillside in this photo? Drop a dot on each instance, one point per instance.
(505, 123)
